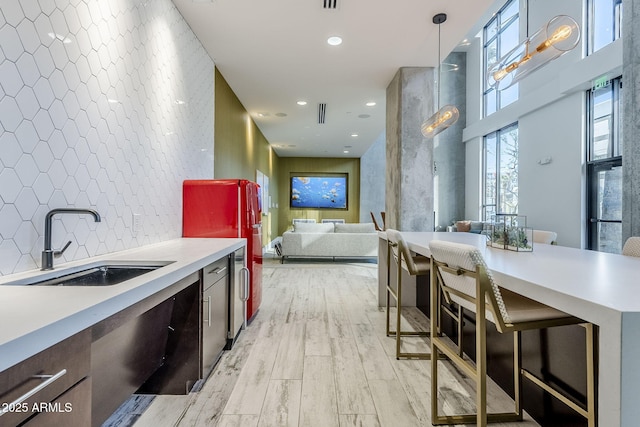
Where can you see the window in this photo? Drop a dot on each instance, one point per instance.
(604, 168)
(500, 171)
(501, 35)
(605, 23)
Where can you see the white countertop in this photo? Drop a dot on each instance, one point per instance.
(35, 317)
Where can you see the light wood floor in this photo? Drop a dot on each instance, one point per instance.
(316, 354)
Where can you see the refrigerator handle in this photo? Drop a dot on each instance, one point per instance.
(245, 285)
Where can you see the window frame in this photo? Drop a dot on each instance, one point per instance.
(502, 27)
(497, 189)
(616, 23)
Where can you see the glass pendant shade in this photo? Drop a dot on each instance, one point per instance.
(441, 120)
(557, 37)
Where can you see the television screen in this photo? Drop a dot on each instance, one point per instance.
(319, 192)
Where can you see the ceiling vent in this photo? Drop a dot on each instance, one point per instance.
(322, 112)
(330, 4)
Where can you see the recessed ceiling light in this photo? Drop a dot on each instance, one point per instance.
(354, 135)
(364, 116)
(346, 151)
(334, 40)
(301, 102)
(281, 114)
(348, 146)
(370, 104)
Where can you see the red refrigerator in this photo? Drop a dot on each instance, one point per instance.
(227, 208)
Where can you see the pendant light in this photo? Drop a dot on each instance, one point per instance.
(554, 39)
(447, 115)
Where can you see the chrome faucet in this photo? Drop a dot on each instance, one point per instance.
(48, 253)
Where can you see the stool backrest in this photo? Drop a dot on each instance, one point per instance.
(632, 247)
(399, 248)
(463, 273)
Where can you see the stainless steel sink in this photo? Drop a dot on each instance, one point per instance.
(106, 273)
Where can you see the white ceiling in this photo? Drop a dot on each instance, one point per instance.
(274, 53)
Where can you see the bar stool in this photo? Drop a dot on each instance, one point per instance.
(415, 265)
(462, 275)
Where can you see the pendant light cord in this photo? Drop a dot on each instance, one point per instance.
(439, 67)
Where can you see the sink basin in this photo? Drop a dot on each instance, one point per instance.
(102, 274)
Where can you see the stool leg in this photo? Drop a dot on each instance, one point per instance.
(399, 306)
(517, 372)
(592, 417)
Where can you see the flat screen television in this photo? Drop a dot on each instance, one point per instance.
(319, 191)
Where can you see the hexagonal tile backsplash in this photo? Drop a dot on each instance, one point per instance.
(105, 105)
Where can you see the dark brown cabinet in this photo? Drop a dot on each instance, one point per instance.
(35, 388)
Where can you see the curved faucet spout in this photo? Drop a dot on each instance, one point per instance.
(48, 253)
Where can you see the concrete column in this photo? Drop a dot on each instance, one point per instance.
(449, 150)
(631, 119)
(409, 199)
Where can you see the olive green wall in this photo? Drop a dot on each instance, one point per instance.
(301, 165)
(240, 149)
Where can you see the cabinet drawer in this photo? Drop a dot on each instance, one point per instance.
(72, 409)
(214, 272)
(72, 355)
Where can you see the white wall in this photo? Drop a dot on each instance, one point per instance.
(551, 119)
(92, 115)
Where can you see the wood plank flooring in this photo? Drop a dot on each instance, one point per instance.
(316, 354)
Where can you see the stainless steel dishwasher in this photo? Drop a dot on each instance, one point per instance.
(215, 297)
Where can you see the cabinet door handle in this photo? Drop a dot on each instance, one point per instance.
(208, 301)
(217, 270)
(50, 380)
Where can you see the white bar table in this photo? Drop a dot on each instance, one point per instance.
(601, 288)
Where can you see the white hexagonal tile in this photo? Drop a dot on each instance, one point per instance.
(10, 256)
(72, 47)
(57, 144)
(82, 95)
(27, 170)
(43, 188)
(73, 21)
(58, 114)
(10, 78)
(82, 150)
(71, 105)
(10, 116)
(27, 136)
(58, 174)
(10, 43)
(59, 24)
(70, 161)
(59, 54)
(26, 203)
(9, 185)
(82, 122)
(43, 92)
(81, 232)
(43, 157)
(58, 84)
(93, 192)
(43, 124)
(44, 61)
(10, 220)
(71, 133)
(70, 190)
(93, 114)
(94, 62)
(26, 237)
(12, 11)
(82, 177)
(28, 69)
(84, 44)
(27, 102)
(31, 9)
(47, 6)
(11, 150)
(84, 15)
(44, 30)
(26, 263)
(28, 35)
(94, 36)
